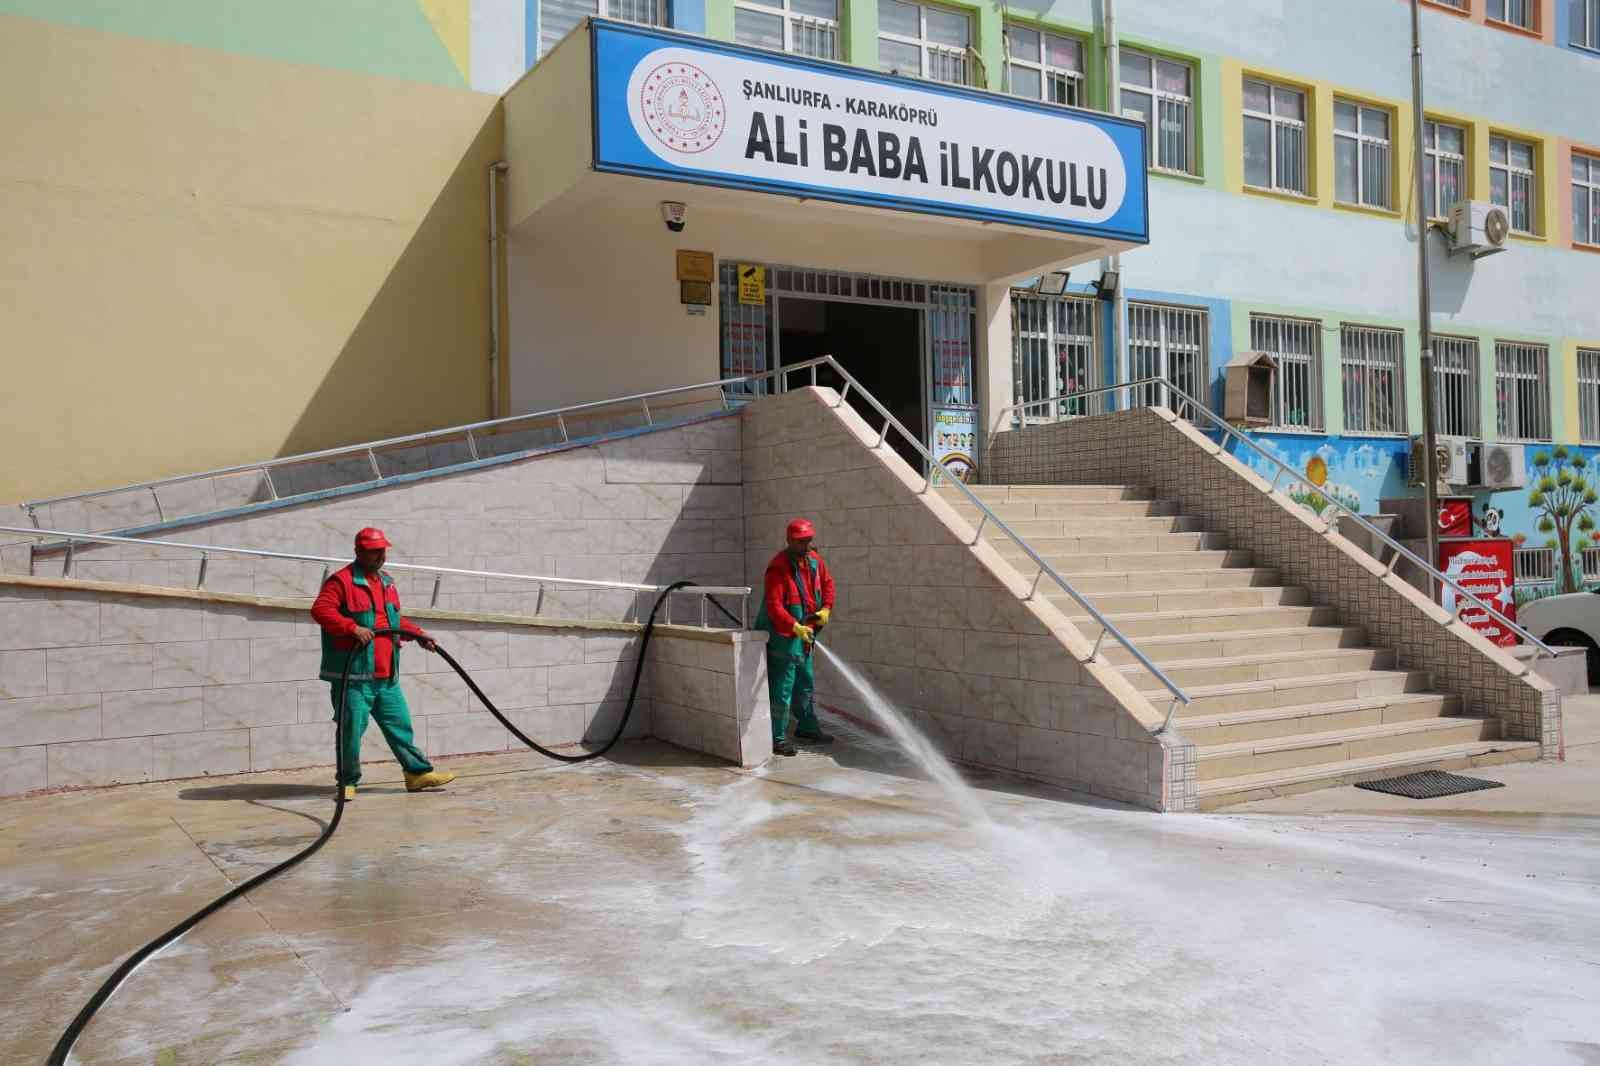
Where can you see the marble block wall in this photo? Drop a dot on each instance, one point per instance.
(112, 683)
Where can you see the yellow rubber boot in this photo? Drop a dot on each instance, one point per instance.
(431, 779)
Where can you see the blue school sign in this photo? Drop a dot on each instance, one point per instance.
(684, 109)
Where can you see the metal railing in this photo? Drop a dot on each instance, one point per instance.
(986, 517)
(73, 539)
(1194, 410)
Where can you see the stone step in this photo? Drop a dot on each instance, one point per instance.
(1104, 581)
(1223, 791)
(1310, 749)
(1238, 726)
(1116, 529)
(1269, 666)
(1180, 600)
(1106, 544)
(1048, 493)
(1185, 646)
(1027, 510)
(1165, 562)
(1216, 620)
(1293, 691)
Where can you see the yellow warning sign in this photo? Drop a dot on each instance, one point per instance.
(752, 283)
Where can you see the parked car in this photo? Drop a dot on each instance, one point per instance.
(1571, 620)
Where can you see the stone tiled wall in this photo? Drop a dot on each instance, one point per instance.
(101, 685)
(653, 508)
(941, 625)
(1150, 447)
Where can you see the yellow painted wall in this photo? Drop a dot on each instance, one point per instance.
(211, 258)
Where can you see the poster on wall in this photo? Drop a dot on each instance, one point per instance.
(1483, 567)
(955, 440)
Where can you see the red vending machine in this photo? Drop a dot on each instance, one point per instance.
(1482, 566)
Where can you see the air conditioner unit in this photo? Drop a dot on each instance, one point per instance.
(1451, 459)
(1503, 466)
(1478, 229)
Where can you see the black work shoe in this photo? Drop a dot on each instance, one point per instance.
(785, 747)
(819, 737)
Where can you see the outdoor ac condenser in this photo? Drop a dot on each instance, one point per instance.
(1477, 228)
(1452, 460)
(1502, 466)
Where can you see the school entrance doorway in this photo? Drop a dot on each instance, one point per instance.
(909, 343)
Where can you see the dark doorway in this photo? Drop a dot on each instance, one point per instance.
(880, 346)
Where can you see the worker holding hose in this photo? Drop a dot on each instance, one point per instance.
(346, 609)
(796, 601)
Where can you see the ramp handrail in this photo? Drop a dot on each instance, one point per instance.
(72, 539)
(986, 517)
(1228, 430)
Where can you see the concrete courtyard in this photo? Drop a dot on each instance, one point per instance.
(660, 908)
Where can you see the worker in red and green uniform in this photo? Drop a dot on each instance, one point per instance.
(347, 611)
(796, 601)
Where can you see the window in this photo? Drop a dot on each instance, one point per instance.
(1521, 391)
(923, 41)
(1054, 353)
(1586, 23)
(1511, 180)
(1159, 92)
(1535, 566)
(1044, 66)
(1455, 386)
(1585, 198)
(1589, 393)
(557, 18)
(1590, 562)
(1445, 168)
(1360, 154)
(804, 27)
(1167, 342)
(1274, 137)
(1515, 12)
(1369, 371)
(1296, 343)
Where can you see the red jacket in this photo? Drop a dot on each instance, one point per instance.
(779, 590)
(341, 597)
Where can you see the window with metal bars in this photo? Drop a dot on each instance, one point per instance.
(1590, 563)
(1044, 66)
(1444, 168)
(746, 331)
(557, 18)
(1522, 391)
(1169, 343)
(1455, 386)
(924, 41)
(1586, 198)
(1514, 12)
(1534, 566)
(1274, 137)
(1589, 393)
(1160, 92)
(1054, 351)
(1361, 172)
(1369, 372)
(804, 27)
(1512, 181)
(1296, 344)
(1586, 24)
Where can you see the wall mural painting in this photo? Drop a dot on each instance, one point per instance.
(1355, 471)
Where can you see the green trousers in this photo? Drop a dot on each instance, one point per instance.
(790, 680)
(385, 703)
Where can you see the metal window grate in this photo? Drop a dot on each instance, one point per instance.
(1444, 167)
(1361, 154)
(1044, 66)
(557, 18)
(1515, 12)
(1054, 346)
(746, 331)
(814, 37)
(1534, 566)
(1167, 342)
(1586, 197)
(1455, 386)
(1522, 391)
(1589, 393)
(1296, 343)
(1586, 23)
(1512, 181)
(1275, 137)
(1369, 371)
(1590, 561)
(1158, 91)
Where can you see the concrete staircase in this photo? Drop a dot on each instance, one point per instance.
(1286, 698)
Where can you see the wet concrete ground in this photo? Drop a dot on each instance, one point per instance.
(661, 909)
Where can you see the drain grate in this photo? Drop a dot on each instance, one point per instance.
(1428, 784)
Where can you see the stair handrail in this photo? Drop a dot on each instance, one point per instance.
(986, 516)
(1228, 430)
(72, 538)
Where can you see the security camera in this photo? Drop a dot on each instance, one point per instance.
(674, 215)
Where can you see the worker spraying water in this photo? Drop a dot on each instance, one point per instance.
(796, 602)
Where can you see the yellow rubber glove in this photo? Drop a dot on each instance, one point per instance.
(823, 616)
(804, 632)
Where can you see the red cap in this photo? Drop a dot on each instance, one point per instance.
(370, 538)
(800, 529)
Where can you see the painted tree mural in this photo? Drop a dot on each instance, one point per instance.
(1562, 497)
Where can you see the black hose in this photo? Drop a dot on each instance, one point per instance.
(63, 1047)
